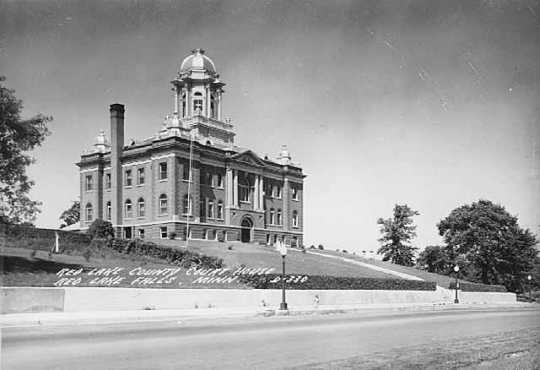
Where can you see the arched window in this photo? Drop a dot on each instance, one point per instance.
(295, 218)
(163, 206)
(272, 216)
(278, 217)
(220, 210)
(187, 205)
(108, 213)
(140, 207)
(128, 208)
(197, 102)
(89, 212)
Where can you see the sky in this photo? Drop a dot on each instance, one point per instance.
(429, 103)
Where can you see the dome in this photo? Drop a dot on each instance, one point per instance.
(197, 61)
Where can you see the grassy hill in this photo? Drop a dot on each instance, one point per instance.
(254, 255)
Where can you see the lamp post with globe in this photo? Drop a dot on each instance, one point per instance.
(283, 252)
(456, 270)
(529, 278)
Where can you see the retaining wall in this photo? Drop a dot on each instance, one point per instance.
(19, 300)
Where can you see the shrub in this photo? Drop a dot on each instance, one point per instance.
(321, 247)
(272, 281)
(87, 254)
(476, 287)
(312, 246)
(101, 229)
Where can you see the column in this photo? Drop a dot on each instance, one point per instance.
(261, 193)
(207, 103)
(235, 189)
(229, 185)
(285, 196)
(188, 101)
(256, 194)
(172, 188)
(176, 97)
(219, 105)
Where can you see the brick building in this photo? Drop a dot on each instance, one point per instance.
(190, 178)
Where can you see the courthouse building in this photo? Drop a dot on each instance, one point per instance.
(190, 179)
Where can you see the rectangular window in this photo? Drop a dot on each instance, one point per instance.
(220, 210)
(278, 192)
(107, 181)
(163, 171)
(127, 232)
(163, 232)
(243, 193)
(185, 171)
(219, 180)
(140, 176)
(295, 194)
(128, 178)
(210, 209)
(89, 183)
(141, 233)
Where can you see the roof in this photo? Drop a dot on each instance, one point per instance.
(197, 61)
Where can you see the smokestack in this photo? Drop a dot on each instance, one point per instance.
(117, 146)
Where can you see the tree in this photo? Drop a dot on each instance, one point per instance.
(434, 258)
(100, 229)
(397, 233)
(72, 215)
(17, 137)
(494, 248)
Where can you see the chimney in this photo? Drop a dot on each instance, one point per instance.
(117, 146)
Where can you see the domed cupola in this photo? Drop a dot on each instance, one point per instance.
(197, 62)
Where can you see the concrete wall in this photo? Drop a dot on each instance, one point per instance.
(23, 300)
(117, 299)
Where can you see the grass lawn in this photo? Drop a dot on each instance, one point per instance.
(296, 262)
(20, 268)
(441, 280)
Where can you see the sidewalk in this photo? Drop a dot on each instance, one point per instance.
(124, 317)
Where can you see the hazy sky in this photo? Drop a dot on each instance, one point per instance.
(431, 103)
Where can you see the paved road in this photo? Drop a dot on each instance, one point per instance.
(412, 340)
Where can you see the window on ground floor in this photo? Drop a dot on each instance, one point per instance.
(163, 232)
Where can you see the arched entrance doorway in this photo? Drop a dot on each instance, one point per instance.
(247, 227)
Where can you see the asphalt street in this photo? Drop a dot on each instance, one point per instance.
(320, 341)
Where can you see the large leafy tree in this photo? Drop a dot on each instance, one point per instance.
(493, 247)
(17, 137)
(434, 258)
(72, 215)
(397, 233)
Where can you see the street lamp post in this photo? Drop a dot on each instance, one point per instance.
(529, 278)
(283, 252)
(456, 270)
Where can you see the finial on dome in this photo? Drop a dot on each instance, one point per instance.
(197, 51)
(284, 155)
(102, 144)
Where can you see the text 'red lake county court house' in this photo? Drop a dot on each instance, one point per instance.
(190, 178)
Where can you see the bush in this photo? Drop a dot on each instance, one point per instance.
(272, 281)
(321, 247)
(100, 229)
(183, 258)
(476, 287)
(312, 247)
(87, 254)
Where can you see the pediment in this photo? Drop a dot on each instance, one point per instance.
(248, 157)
